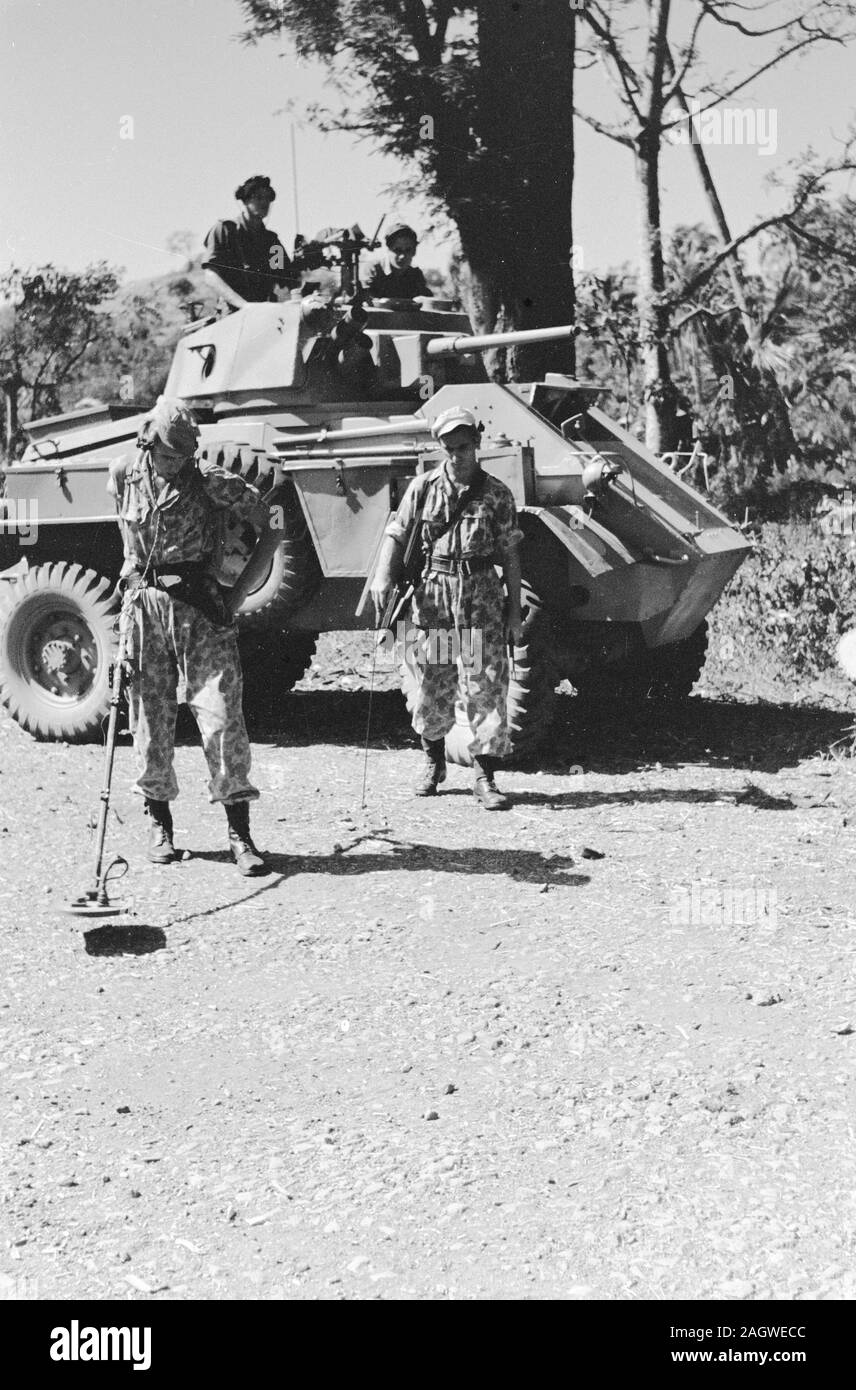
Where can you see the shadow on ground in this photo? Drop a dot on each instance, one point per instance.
(116, 940)
(755, 737)
(522, 864)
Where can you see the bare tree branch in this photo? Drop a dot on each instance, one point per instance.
(810, 186)
(716, 13)
(774, 62)
(821, 243)
(602, 129)
(601, 26)
(689, 57)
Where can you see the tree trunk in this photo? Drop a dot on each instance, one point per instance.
(10, 412)
(658, 390)
(512, 200)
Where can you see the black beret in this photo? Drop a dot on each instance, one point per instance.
(259, 183)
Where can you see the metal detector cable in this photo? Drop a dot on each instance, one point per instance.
(369, 716)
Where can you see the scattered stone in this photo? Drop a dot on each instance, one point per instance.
(736, 1288)
(139, 1284)
(450, 1088)
(846, 1030)
(430, 1115)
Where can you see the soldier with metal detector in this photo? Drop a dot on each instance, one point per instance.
(181, 629)
(464, 524)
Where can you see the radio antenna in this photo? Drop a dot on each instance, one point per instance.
(294, 181)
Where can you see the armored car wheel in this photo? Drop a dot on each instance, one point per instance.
(661, 675)
(294, 574)
(57, 643)
(532, 693)
(272, 663)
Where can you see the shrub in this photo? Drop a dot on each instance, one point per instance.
(793, 597)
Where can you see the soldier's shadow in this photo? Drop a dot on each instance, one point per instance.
(522, 865)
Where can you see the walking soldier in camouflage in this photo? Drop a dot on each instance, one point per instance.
(468, 525)
(182, 637)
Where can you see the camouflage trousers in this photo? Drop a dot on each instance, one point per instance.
(471, 673)
(177, 654)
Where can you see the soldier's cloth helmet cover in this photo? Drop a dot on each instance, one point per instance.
(400, 229)
(259, 183)
(453, 419)
(173, 424)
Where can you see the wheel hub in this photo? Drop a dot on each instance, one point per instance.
(60, 657)
(64, 657)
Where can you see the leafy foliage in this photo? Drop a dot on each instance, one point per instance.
(49, 320)
(800, 357)
(794, 597)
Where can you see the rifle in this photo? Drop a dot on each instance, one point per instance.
(402, 591)
(404, 587)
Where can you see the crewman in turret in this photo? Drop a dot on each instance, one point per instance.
(395, 276)
(244, 260)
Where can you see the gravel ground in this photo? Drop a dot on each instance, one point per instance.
(552, 1053)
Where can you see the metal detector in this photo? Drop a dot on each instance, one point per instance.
(95, 901)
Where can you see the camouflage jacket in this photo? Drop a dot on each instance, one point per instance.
(183, 520)
(486, 529)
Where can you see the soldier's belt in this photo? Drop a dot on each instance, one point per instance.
(188, 581)
(166, 576)
(467, 564)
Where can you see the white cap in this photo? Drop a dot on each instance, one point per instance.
(453, 419)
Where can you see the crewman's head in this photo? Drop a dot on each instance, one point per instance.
(457, 430)
(401, 242)
(170, 435)
(256, 194)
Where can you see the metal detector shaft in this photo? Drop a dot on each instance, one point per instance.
(109, 752)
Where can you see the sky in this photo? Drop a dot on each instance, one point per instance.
(124, 121)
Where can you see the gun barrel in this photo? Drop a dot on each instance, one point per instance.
(453, 347)
(406, 427)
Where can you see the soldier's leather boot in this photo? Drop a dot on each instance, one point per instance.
(161, 850)
(485, 789)
(433, 769)
(250, 863)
